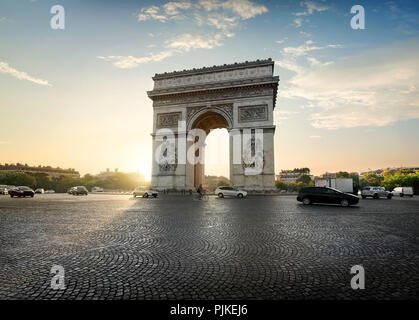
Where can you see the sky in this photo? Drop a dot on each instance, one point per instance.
(348, 99)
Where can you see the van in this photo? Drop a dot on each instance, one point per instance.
(403, 191)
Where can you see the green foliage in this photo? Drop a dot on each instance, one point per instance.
(118, 181)
(17, 179)
(372, 179)
(402, 180)
(304, 178)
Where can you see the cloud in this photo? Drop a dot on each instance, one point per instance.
(310, 8)
(180, 44)
(315, 137)
(307, 47)
(6, 69)
(375, 88)
(282, 40)
(3, 19)
(222, 16)
(198, 10)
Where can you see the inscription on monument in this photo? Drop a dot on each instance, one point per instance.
(168, 120)
(253, 113)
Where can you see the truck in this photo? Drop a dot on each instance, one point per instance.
(341, 184)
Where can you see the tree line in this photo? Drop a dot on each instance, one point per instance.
(389, 179)
(118, 181)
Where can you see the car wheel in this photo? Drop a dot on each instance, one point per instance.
(411, 196)
(220, 195)
(364, 197)
(154, 195)
(344, 203)
(32, 196)
(389, 196)
(306, 201)
(145, 195)
(240, 195)
(375, 196)
(11, 196)
(401, 195)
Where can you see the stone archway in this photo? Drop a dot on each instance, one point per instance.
(240, 97)
(206, 120)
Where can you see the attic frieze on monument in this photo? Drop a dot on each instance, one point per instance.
(232, 93)
(186, 80)
(210, 86)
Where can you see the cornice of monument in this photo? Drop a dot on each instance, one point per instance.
(204, 70)
(213, 86)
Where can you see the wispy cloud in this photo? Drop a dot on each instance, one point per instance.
(309, 8)
(375, 88)
(221, 17)
(6, 69)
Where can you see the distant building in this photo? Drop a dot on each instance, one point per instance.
(140, 178)
(52, 172)
(288, 176)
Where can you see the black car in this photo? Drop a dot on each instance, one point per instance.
(21, 192)
(80, 190)
(326, 195)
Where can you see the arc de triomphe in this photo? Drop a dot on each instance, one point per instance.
(238, 97)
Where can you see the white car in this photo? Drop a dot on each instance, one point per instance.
(50, 191)
(403, 191)
(97, 189)
(375, 192)
(230, 192)
(144, 193)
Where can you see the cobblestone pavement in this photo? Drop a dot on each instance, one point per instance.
(174, 247)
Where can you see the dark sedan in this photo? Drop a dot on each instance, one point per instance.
(326, 195)
(79, 190)
(21, 192)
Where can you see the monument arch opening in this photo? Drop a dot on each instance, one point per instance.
(207, 120)
(239, 97)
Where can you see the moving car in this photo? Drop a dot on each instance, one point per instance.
(375, 193)
(50, 191)
(97, 189)
(403, 191)
(149, 193)
(311, 195)
(79, 190)
(40, 190)
(230, 192)
(3, 190)
(21, 191)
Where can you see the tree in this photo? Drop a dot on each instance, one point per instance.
(304, 178)
(372, 179)
(342, 174)
(17, 179)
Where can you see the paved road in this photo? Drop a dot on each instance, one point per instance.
(173, 247)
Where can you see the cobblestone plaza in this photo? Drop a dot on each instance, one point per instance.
(176, 247)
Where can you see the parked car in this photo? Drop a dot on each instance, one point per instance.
(146, 193)
(3, 189)
(79, 190)
(50, 191)
(97, 189)
(375, 192)
(21, 191)
(230, 192)
(311, 195)
(40, 191)
(403, 191)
